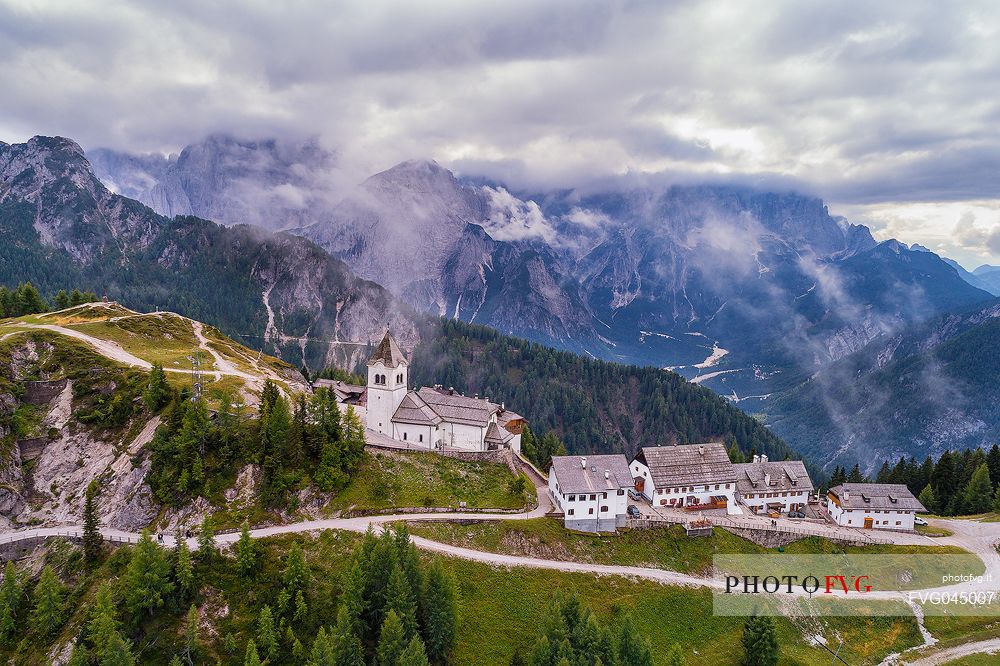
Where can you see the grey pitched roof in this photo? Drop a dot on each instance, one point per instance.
(688, 464)
(456, 408)
(388, 353)
(497, 435)
(895, 496)
(586, 474)
(345, 392)
(413, 409)
(784, 475)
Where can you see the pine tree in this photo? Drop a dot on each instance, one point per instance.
(183, 569)
(103, 625)
(414, 654)
(10, 601)
(118, 652)
(440, 613)
(252, 658)
(191, 635)
(322, 650)
(838, 477)
(856, 476)
(633, 648)
(945, 484)
(157, 393)
(979, 493)
(266, 634)
(399, 598)
(760, 644)
(295, 577)
(147, 579)
(928, 499)
(62, 299)
(92, 539)
(47, 614)
(246, 552)
(206, 540)
(346, 647)
(391, 642)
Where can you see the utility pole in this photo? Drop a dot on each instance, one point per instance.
(196, 375)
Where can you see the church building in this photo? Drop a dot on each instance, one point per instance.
(435, 418)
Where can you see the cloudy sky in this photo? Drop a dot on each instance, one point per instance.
(889, 110)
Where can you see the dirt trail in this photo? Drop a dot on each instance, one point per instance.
(990, 646)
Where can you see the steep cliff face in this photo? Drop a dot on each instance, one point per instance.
(271, 184)
(279, 292)
(915, 392)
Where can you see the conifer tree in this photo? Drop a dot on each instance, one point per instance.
(252, 658)
(760, 644)
(838, 477)
(856, 476)
(633, 648)
(62, 299)
(92, 539)
(157, 393)
(266, 635)
(322, 650)
(103, 626)
(399, 598)
(147, 579)
(206, 540)
(47, 614)
(295, 577)
(191, 635)
(183, 569)
(414, 654)
(246, 552)
(346, 647)
(440, 613)
(928, 499)
(10, 602)
(391, 642)
(674, 656)
(979, 492)
(517, 659)
(118, 652)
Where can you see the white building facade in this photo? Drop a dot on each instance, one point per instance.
(591, 491)
(764, 487)
(433, 418)
(686, 476)
(880, 506)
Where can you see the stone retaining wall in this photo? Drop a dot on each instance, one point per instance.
(41, 393)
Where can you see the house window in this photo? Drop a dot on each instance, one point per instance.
(404, 436)
(727, 486)
(593, 497)
(590, 511)
(716, 486)
(620, 492)
(604, 509)
(570, 512)
(421, 438)
(897, 522)
(572, 498)
(604, 496)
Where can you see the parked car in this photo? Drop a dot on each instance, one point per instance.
(796, 514)
(917, 520)
(635, 494)
(633, 511)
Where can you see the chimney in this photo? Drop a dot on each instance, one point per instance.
(701, 450)
(451, 390)
(583, 463)
(607, 474)
(763, 457)
(767, 478)
(756, 458)
(847, 494)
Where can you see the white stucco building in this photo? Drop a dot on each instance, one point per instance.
(764, 486)
(881, 506)
(689, 476)
(591, 491)
(432, 418)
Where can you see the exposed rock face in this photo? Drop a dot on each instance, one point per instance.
(248, 282)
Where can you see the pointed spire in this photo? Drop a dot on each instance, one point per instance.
(388, 352)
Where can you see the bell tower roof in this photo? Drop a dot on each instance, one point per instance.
(388, 353)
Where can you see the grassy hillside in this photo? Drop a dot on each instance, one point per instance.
(499, 611)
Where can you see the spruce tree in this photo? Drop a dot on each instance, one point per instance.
(246, 552)
(414, 654)
(391, 642)
(118, 652)
(633, 648)
(440, 613)
(103, 625)
(295, 577)
(183, 569)
(760, 644)
(855, 476)
(399, 598)
(157, 393)
(928, 499)
(10, 602)
(206, 540)
(252, 658)
(979, 492)
(346, 647)
(92, 539)
(191, 635)
(266, 635)
(47, 614)
(147, 579)
(322, 650)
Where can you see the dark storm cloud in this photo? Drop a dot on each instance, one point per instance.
(862, 102)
